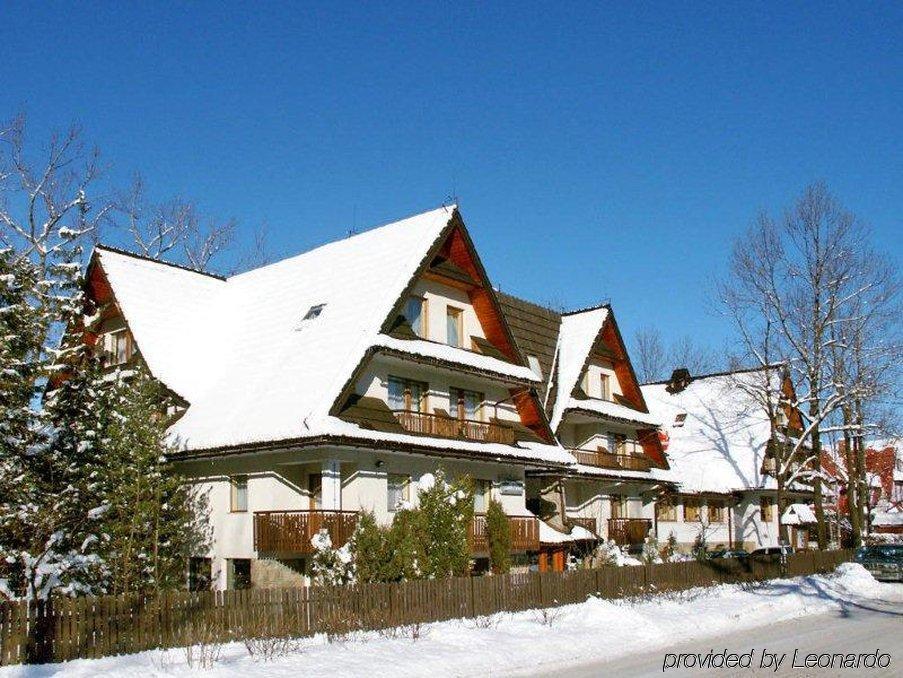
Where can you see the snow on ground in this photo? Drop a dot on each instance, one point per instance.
(596, 629)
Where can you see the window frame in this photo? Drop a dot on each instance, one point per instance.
(604, 386)
(111, 343)
(716, 510)
(694, 505)
(458, 406)
(766, 509)
(671, 505)
(407, 393)
(423, 330)
(458, 315)
(482, 488)
(236, 482)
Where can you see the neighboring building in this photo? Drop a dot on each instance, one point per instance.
(333, 382)
(598, 413)
(718, 441)
(884, 478)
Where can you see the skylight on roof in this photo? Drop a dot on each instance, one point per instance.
(680, 419)
(314, 311)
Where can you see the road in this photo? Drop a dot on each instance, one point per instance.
(861, 626)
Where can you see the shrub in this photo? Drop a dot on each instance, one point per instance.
(498, 529)
(369, 547)
(329, 566)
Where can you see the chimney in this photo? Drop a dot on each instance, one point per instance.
(680, 379)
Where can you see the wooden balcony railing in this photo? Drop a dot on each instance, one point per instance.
(290, 532)
(625, 462)
(424, 423)
(524, 533)
(626, 531)
(586, 523)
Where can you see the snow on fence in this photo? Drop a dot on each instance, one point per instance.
(92, 627)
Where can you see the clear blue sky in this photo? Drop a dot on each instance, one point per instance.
(599, 153)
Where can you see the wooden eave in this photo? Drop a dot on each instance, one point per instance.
(353, 442)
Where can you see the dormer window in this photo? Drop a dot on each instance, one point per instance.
(454, 325)
(314, 311)
(117, 347)
(415, 314)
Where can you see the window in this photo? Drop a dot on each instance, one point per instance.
(605, 386)
(692, 514)
(238, 574)
(415, 314)
(405, 394)
(466, 404)
(199, 574)
(315, 490)
(481, 495)
(239, 494)
(454, 326)
(117, 347)
(665, 509)
(766, 509)
(314, 311)
(617, 443)
(397, 492)
(535, 367)
(680, 419)
(716, 510)
(618, 506)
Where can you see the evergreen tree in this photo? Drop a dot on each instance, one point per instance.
(445, 514)
(155, 520)
(498, 529)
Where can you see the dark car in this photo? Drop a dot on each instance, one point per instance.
(773, 551)
(883, 561)
(729, 553)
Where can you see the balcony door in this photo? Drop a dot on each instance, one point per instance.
(618, 506)
(405, 394)
(466, 404)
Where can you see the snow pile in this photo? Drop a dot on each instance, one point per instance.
(589, 631)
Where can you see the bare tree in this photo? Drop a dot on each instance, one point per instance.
(173, 230)
(648, 356)
(686, 352)
(791, 281)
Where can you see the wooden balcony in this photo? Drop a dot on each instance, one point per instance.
(423, 423)
(585, 523)
(623, 462)
(627, 531)
(290, 532)
(524, 533)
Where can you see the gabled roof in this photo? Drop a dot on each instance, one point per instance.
(242, 354)
(721, 443)
(579, 332)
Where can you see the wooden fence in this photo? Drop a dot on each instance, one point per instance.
(91, 627)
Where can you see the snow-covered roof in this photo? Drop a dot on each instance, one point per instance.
(891, 517)
(165, 310)
(720, 445)
(575, 341)
(654, 474)
(242, 354)
(798, 514)
(549, 535)
(613, 410)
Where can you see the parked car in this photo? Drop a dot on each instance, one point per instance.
(729, 553)
(773, 551)
(884, 561)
